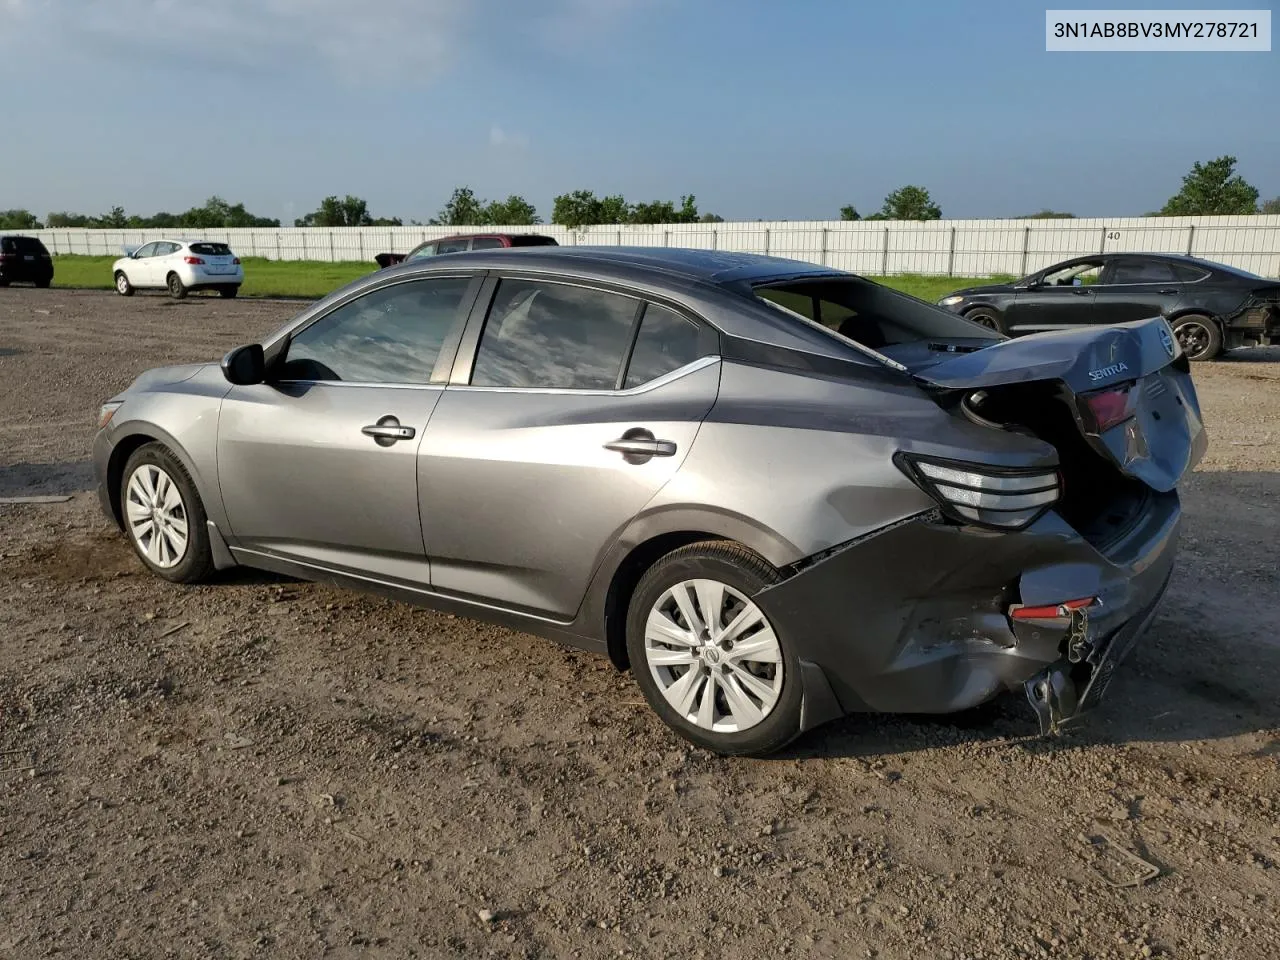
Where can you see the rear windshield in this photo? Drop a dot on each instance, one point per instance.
(211, 249)
(529, 240)
(22, 245)
(868, 313)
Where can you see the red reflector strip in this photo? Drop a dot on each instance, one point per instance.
(1053, 612)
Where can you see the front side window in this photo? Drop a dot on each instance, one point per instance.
(553, 335)
(454, 246)
(391, 335)
(1076, 275)
(426, 250)
(147, 250)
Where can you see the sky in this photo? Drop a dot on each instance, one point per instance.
(763, 109)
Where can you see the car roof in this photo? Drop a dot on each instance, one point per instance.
(706, 266)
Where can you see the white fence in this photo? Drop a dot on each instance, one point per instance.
(975, 248)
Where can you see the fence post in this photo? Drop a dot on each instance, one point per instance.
(1102, 241)
(331, 245)
(884, 253)
(951, 254)
(305, 255)
(362, 242)
(1026, 245)
(277, 246)
(1191, 235)
(666, 238)
(766, 241)
(715, 245)
(823, 261)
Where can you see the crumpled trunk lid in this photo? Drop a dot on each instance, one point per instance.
(1162, 438)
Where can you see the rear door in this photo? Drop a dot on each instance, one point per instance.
(164, 260)
(1134, 288)
(319, 466)
(555, 431)
(1062, 298)
(218, 258)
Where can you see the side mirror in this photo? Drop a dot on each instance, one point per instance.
(246, 365)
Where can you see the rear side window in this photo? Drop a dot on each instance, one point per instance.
(666, 342)
(554, 335)
(1142, 271)
(1189, 274)
(211, 249)
(485, 243)
(392, 335)
(453, 246)
(532, 240)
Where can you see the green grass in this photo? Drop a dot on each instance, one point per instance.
(308, 279)
(312, 279)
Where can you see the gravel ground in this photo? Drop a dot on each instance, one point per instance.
(262, 767)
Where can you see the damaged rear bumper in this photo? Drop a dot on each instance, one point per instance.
(916, 618)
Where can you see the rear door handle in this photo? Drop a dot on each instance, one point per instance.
(1166, 293)
(387, 431)
(639, 446)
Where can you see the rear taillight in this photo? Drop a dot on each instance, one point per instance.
(1106, 408)
(1057, 611)
(192, 260)
(980, 493)
(8, 256)
(235, 260)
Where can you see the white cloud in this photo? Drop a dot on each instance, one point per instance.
(503, 138)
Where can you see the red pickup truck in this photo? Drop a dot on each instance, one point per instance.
(466, 241)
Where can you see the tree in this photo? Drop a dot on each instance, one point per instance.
(1271, 206)
(462, 210)
(114, 219)
(19, 220)
(583, 208)
(1210, 189)
(513, 211)
(711, 218)
(909, 203)
(66, 219)
(849, 212)
(1047, 215)
(347, 212)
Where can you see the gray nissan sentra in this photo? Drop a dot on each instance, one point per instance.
(778, 492)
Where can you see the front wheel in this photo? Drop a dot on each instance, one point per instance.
(123, 286)
(177, 289)
(985, 317)
(1199, 336)
(44, 284)
(163, 516)
(707, 658)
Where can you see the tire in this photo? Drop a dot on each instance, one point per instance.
(767, 717)
(150, 473)
(228, 293)
(123, 286)
(177, 289)
(985, 316)
(44, 284)
(3, 282)
(1199, 336)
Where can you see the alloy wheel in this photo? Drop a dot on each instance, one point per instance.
(1194, 338)
(122, 283)
(157, 516)
(714, 655)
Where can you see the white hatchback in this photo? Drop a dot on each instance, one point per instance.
(180, 267)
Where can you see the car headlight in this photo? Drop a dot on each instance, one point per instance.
(107, 411)
(949, 301)
(1006, 499)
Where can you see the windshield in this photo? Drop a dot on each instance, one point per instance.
(870, 314)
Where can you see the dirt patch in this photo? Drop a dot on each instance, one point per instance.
(260, 767)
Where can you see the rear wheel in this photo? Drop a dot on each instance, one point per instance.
(123, 286)
(707, 658)
(44, 284)
(163, 516)
(1199, 336)
(3, 282)
(229, 293)
(177, 289)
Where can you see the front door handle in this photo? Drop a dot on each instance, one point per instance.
(1166, 293)
(387, 431)
(638, 445)
(1080, 292)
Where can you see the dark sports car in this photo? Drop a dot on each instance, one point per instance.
(1212, 307)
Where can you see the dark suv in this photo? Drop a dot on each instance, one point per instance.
(25, 259)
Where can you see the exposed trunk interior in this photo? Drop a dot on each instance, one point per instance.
(1100, 502)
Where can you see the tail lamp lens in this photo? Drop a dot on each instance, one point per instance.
(986, 495)
(1109, 407)
(192, 260)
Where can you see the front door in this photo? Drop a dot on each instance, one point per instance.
(539, 456)
(1064, 297)
(319, 465)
